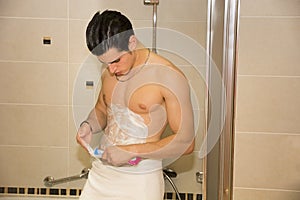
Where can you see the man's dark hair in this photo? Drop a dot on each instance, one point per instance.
(107, 30)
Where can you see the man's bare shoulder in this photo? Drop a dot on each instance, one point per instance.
(106, 75)
(164, 62)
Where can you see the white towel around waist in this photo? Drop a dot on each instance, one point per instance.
(112, 183)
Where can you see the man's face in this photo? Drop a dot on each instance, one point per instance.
(119, 63)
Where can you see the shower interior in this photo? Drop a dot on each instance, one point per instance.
(155, 4)
(168, 173)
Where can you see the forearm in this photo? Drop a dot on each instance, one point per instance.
(93, 124)
(96, 120)
(169, 147)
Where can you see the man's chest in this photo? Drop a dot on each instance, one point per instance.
(139, 99)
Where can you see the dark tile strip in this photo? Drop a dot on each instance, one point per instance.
(30, 191)
(21, 190)
(73, 192)
(43, 191)
(199, 196)
(12, 190)
(77, 192)
(54, 191)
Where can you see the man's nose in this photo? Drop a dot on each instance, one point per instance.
(112, 68)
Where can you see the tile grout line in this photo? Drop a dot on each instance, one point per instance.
(267, 133)
(267, 189)
(68, 74)
(267, 76)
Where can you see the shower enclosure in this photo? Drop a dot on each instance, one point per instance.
(222, 32)
(220, 59)
(37, 122)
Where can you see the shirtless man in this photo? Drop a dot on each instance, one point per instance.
(141, 94)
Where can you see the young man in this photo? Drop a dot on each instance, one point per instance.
(141, 94)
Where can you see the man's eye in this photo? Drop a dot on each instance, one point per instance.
(116, 61)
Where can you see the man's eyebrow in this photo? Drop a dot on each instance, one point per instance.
(115, 61)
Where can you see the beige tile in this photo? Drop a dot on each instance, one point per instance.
(176, 59)
(132, 9)
(267, 161)
(34, 8)
(268, 104)
(269, 46)
(34, 125)
(196, 30)
(78, 51)
(83, 10)
(178, 44)
(192, 10)
(34, 83)
(28, 166)
(198, 86)
(29, 46)
(79, 159)
(80, 93)
(146, 26)
(167, 9)
(261, 194)
(270, 8)
(200, 130)
(73, 126)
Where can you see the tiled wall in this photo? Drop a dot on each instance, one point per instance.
(268, 124)
(37, 117)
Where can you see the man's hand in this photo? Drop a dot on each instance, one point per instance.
(84, 135)
(117, 155)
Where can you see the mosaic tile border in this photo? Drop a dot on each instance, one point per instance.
(39, 191)
(22, 191)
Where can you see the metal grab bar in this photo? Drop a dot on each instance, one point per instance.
(49, 181)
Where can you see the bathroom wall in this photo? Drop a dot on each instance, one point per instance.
(39, 110)
(267, 145)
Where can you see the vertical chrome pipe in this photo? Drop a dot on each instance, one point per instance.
(154, 27)
(154, 3)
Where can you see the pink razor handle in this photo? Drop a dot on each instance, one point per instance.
(134, 161)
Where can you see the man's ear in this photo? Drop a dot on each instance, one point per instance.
(132, 43)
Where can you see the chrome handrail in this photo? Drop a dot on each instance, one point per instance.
(49, 181)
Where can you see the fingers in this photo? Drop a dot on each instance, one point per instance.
(84, 136)
(116, 156)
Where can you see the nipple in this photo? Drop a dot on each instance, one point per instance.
(143, 106)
